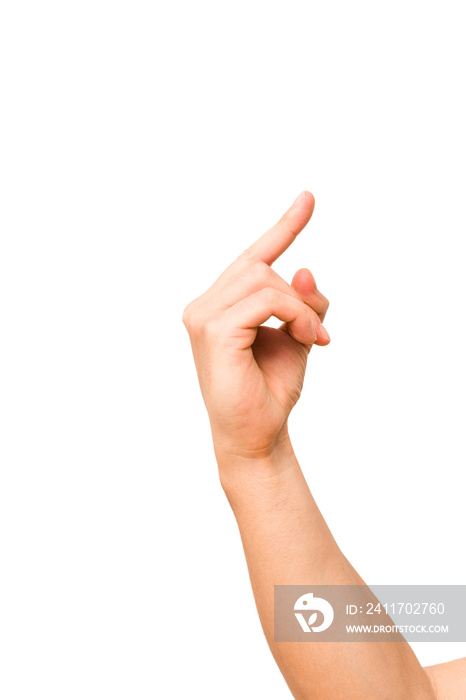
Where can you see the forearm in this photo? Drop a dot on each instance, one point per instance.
(287, 542)
(285, 537)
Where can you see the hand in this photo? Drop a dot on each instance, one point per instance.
(251, 375)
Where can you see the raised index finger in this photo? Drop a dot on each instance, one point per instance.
(277, 239)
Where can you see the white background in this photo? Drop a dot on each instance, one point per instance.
(143, 146)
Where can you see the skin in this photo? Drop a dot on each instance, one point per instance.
(251, 376)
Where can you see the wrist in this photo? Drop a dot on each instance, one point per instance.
(255, 450)
(246, 474)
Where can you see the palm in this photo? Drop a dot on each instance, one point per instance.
(282, 363)
(261, 390)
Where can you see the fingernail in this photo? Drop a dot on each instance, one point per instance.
(324, 333)
(300, 197)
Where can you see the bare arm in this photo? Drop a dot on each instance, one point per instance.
(449, 679)
(251, 377)
(287, 541)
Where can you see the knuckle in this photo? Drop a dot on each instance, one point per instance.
(248, 255)
(262, 272)
(190, 317)
(286, 225)
(186, 317)
(268, 295)
(210, 328)
(284, 219)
